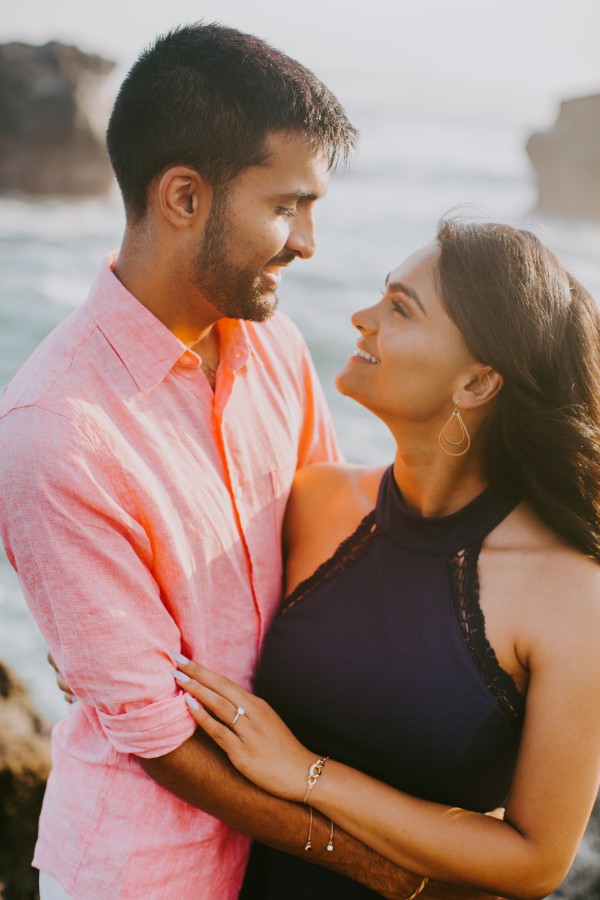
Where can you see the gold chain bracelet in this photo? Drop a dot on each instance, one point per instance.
(308, 845)
(314, 772)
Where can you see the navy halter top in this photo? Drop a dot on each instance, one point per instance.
(380, 660)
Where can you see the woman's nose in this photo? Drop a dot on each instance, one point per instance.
(365, 320)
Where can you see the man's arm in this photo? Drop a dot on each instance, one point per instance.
(219, 789)
(199, 773)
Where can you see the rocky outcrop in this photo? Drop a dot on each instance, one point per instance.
(567, 161)
(47, 144)
(24, 768)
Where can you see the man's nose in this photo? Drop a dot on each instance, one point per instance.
(302, 239)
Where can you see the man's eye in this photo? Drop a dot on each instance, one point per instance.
(287, 211)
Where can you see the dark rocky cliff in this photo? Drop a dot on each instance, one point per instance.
(47, 144)
(24, 768)
(567, 161)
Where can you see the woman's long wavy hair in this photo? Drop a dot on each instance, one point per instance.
(522, 313)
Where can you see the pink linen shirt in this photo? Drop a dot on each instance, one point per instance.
(142, 513)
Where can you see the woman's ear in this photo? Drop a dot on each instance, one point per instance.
(184, 197)
(481, 386)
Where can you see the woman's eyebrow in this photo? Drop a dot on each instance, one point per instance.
(400, 288)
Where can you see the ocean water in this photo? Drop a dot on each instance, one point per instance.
(411, 169)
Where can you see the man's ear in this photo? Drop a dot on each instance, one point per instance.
(184, 197)
(480, 386)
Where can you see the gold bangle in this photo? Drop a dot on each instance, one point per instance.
(419, 890)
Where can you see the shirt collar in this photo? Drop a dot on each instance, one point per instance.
(146, 347)
(234, 345)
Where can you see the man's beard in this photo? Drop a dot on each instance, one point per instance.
(237, 293)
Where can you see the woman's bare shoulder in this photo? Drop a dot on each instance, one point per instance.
(548, 553)
(553, 588)
(561, 620)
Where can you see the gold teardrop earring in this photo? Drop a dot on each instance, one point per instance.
(463, 435)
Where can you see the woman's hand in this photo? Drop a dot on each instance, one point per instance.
(252, 735)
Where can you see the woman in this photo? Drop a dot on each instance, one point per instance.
(439, 637)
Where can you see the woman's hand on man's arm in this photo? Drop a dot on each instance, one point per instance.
(199, 773)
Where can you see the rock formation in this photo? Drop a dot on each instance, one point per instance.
(24, 768)
(47, 145)
(567, 161)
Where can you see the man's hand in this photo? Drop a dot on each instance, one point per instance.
(62, 684)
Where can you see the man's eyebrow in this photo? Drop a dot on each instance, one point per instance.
(299, 195)
(400, 288)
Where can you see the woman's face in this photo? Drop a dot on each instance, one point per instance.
(410, 358)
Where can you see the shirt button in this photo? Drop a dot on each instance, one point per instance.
(239, 492)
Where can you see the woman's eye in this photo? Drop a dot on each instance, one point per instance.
(400, 307)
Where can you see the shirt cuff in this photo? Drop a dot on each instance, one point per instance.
(152, 730)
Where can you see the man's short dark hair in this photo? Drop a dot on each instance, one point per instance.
(207, 96)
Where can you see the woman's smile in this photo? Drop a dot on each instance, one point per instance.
(361, 355)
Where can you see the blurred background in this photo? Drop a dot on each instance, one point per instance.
(447, 96)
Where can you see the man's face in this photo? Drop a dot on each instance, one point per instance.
(260, 222)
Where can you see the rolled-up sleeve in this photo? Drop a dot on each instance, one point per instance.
(84, 562)
(151, 730)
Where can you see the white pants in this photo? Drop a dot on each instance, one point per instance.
(50, 889)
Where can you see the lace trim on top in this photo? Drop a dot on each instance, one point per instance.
(464, 584)
(348, 552)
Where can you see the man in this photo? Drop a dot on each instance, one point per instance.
(148, 449)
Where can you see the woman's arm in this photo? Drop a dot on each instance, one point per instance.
(199, 773)
(553, 790)
(343, 494)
